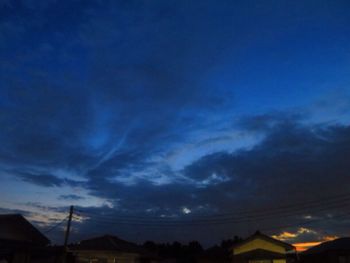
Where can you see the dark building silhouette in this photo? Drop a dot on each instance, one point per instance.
(19, 238)
(108, 248)
(21, 242)
(336, 251)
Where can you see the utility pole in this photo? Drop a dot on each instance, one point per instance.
(68, 226)
(65, 246)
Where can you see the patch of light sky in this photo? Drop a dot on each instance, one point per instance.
(152, 174)
(111, 150)
(213, 180)
(229, 141)
(186, 210)
(64, 173)
(98, 134)
(33, 193)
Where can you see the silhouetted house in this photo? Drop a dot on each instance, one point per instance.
(18, 238)
(21, 242)
(260, 248)
(109, 249)
(336, 251)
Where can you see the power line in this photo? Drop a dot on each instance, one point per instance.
(280, 227)
(316, 207)
(264, 229)
(236, 218)
(306, 223)
(56, 225)
(202, 222)
(296, 206)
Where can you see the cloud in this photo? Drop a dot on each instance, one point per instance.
(44, 179)
(292, 156)
(41, 179)
(269, 121)
(289, 236)
(305, 238)
(70, 197)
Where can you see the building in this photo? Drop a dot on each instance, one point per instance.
(260, 248)
(336, 251)
(19, 238)
(109, 249)
(21, 242)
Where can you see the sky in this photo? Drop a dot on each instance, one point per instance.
(176, 120)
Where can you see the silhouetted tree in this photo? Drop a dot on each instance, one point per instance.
(228, 243)
(187, 253)
(194, 247)
(151, 246)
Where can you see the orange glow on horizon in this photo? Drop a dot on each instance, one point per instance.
(306, 245)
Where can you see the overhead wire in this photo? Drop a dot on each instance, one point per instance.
(54, 226)
(297, 206)
(280, 227)
(317, 220)
(207, 222)
(236, 218)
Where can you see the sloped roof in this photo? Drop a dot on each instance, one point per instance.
(337, 244)
(264, 237)
(108, 243)
(15, 227)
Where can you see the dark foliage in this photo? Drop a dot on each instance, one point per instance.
(189, 253)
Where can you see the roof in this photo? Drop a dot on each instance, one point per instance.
(16, 228)
(264, 237)
(107, 243)
(337, 244)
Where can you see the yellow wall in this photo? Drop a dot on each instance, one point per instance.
(279, 261)
(259, 244)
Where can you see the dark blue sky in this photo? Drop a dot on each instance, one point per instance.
(175, 109)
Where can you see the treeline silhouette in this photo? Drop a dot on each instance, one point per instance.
(191, 252)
